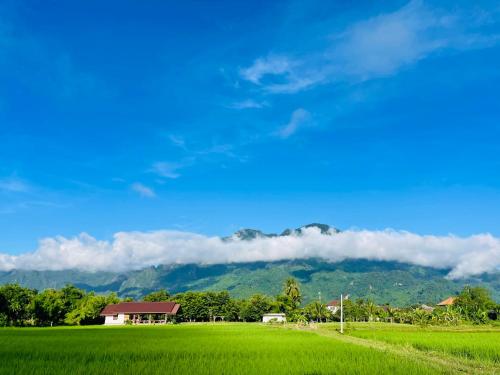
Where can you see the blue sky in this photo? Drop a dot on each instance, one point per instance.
(212, 116)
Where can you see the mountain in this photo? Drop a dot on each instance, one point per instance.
(396, 283)
(251, 234)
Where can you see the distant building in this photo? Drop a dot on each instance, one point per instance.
(267, 318)
(333, 306)
(139, 312)
(447, 302)
(427, 308)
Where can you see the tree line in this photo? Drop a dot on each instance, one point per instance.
(70, 305)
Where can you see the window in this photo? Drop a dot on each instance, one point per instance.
(115, 317)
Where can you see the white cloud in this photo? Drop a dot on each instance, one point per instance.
(167, 169)
(465, 256)
(299, 118)
(248, 104)
(143, 190)
(13, 185)
(377, 47)
(177, 141)
(266, 66)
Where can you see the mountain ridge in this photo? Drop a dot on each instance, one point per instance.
(384, 282)
(248, 234)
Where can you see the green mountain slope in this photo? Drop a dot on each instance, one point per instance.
(391, 282)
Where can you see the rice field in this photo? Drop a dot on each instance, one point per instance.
(196, 349)
(481, 344)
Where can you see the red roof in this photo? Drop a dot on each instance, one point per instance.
(170, 308)
(335, 302)
(448, 301)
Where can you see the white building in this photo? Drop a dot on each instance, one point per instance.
(333, 306)
(270, 318)
(139, 312)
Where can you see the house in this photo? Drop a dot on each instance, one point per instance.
(447, 302)
(269, 318)
(333, 306)
(139, 312)
(427, 308)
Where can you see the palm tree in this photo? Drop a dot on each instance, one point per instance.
(320, 310)
(371, 309)
(292, 291)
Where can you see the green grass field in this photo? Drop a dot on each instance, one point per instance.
(206, 349)
(481, 344)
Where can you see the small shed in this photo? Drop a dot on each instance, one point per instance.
(271, 318)
(139, 312)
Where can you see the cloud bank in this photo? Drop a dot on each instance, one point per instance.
(464, 256)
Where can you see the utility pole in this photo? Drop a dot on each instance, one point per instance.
(319, 299)
(341, 314)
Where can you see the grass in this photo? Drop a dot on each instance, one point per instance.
(192, 349)
(480, 344)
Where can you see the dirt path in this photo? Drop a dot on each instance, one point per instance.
(440, 361)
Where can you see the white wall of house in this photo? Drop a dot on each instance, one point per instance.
(112, 320)
(273, 317)
(333, 309)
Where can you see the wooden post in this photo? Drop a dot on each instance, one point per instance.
(149, 318)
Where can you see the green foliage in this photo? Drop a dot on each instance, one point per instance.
(89, 309)
(292, 291)
(16, 304)
(71, 296)
(205, 306)
(254, 308)
(158, 296)
(22, 306)
(474, 304)
(289, 301)
(317, 311)
(49, 307)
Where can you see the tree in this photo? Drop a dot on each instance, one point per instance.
(284, 304)
(253, 309)
(317, 311)
(17, 304)
(371, 309)
(89, 309)
(420, 317)
(292, 291)
(474, 303)
(194, 306)
(4, 318)
(49, 308)
(158, 296)
(219, 304)
(71, 297)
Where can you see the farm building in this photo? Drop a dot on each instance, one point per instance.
(139, 312)
(333, 306)
(447, 302)
(267, 318)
